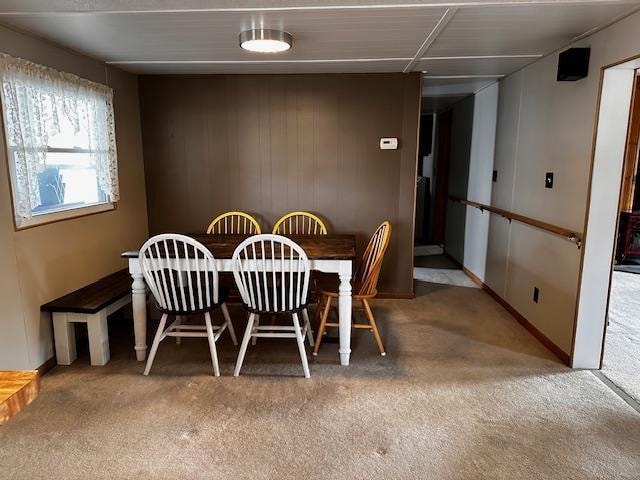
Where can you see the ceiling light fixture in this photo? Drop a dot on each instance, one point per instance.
(265, 41)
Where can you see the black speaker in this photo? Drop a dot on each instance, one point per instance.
(573, 64)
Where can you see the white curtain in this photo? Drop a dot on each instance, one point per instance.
(36, 100)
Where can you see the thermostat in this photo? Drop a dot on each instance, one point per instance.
(388, 144)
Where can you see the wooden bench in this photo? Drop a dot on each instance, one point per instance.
(91, 305)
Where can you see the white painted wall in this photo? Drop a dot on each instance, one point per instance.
(617, 88)
(472, 156)
(483, 137)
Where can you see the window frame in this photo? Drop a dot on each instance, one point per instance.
(54, 216)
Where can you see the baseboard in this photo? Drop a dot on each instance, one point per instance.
(396, 295)
(473, 277)
(541, 337)
(46, 366)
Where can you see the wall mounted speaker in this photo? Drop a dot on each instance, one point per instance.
(573, 64)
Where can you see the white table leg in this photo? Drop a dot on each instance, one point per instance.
(344, 314)
(139, 305)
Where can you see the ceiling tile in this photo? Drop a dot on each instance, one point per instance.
(508, 30)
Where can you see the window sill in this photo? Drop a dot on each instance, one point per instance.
(67, 214)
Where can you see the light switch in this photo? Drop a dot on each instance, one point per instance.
(548, 180)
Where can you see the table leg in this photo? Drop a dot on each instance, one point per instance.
(139, 306)
(344, 317)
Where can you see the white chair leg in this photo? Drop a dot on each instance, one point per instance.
(227, 318)
(307, 324)
(98, 338)
(256, 322)
(156, 342)
(65, 339)
(303, 352)
(212, 344)
(178, 322)
(245, 343)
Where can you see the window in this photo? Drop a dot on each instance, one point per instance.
(60, 139)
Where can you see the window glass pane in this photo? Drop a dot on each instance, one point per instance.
(69, 180)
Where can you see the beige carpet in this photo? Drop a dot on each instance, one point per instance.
(622, 343)
(464, 393)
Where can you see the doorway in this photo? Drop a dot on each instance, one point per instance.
(607, 333)
(621, 356)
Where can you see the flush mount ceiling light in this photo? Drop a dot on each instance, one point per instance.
(265, 41)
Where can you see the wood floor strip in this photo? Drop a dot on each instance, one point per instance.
(17, 390)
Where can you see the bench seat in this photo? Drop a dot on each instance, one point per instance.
(91, 305)
(93, 298)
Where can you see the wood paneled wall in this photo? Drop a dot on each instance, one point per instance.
(271, 144)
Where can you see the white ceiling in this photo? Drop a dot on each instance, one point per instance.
(462, 45)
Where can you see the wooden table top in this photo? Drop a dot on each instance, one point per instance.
(317, 247)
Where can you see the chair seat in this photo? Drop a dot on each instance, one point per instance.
(328, 285)
(223, 294)
(271, 311)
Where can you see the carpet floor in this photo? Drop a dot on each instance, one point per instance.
(463, 393)
(622, 343)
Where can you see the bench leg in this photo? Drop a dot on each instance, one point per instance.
(98, 338)
(65, 339)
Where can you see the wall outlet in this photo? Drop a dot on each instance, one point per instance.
(548, 180)
(536, 294)
(495, 175)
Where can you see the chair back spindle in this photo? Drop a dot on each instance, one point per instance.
(272, 273)
(369, 268)
(300, 223)
(180, 272)
(231, 223)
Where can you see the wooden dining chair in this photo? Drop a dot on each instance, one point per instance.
(234, 223)
(363, 284)
(300, 223)
(182, 276)
(272, 273)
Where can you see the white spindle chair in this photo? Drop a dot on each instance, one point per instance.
(272, 274)
(182, 276)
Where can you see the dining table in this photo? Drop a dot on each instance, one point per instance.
(326, 253)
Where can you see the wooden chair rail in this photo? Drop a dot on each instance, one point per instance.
(573, 237)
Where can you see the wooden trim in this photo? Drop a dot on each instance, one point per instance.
(570, 235)
(47, 366)
(541, 337)
(396, 295)
(630, 164)
(474, 278)
(113, 206)
(412, 245)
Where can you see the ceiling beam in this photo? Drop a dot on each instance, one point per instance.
(446, 17)
(61, 8)
(449, 77)
(485, 57)
(249, 62)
